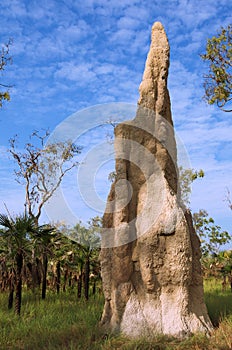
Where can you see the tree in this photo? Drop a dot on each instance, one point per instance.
(44, 239)
(211, 235)
(62, 255)
(214, 260)
(88, 244)
(4, 61)
(7, 271)
(186, 178)
(228, 199)
(16, 235)
(225, 258)
(42, 168)
(218, 81)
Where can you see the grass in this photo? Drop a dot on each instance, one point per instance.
(219, 303)
(59, 322)
(65, 323)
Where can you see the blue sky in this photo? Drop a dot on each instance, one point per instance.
(69, 55)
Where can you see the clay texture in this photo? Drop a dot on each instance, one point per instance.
(150, 255)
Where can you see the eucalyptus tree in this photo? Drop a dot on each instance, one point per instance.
(228, 198)
(212, 238)
(218, 80)
(185, 180)
(5, 59)
(41, 167)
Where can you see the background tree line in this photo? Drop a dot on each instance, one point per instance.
(41, 257)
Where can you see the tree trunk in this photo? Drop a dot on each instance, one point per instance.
(94, 287)
(11, 297)
(65, 279)
(18, 289)
(38, 272)
(11, 288)
(86, 284)
(44, 281)
(70, 279)
(58, 277)
(79, 283)
(36, 279)
(230, 281)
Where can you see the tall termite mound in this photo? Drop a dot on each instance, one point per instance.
(150, 255)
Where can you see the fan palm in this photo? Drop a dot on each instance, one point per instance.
(16, 233)
(87, 242)
(44, 239)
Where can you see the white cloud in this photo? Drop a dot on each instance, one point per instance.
(128, 23)
(123, 36)
(106, 68)
(81, 74)
(139, 12)
(74, 32)
(17, 8)
(191, 14)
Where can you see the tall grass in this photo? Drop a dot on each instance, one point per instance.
(65, 323)
(59, 322)
(219, 303)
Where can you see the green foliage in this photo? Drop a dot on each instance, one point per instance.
(211, 235)
(87, 242)
(186, 177)
(218, 81)
(15, 234)
(86, 237)
(44, 250)
(215, 261)
(4, 61)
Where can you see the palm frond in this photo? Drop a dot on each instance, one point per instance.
(6, 222)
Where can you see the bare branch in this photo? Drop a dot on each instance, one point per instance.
(228, 198)
(42, 169)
